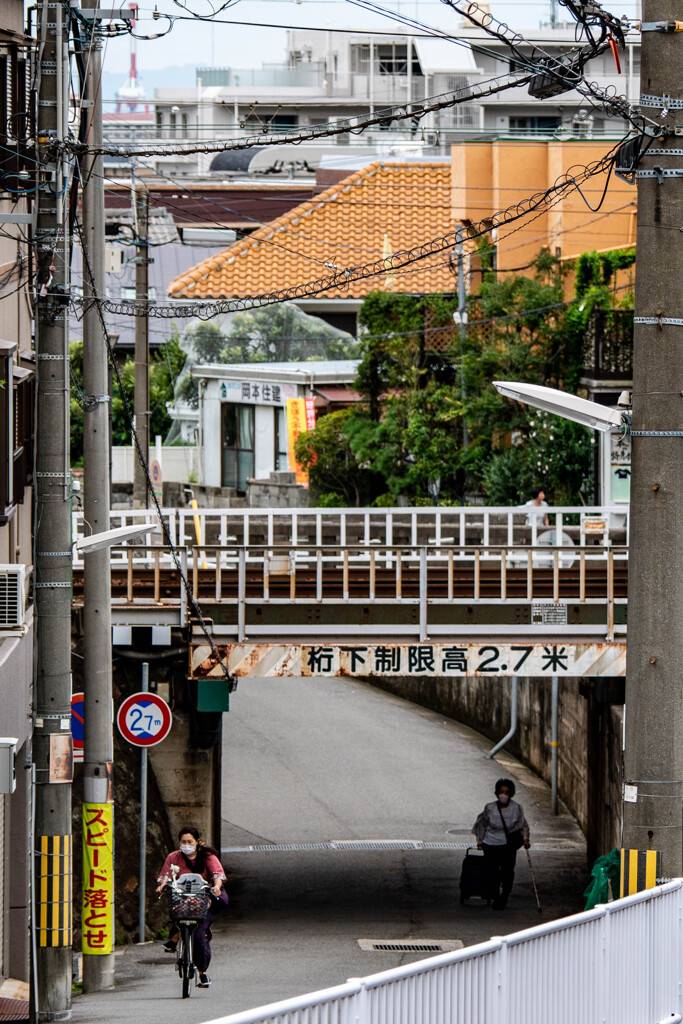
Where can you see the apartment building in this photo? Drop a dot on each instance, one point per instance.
(331, 76)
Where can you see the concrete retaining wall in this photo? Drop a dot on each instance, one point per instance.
(585, 738)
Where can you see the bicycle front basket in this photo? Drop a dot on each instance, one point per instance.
(193, 906)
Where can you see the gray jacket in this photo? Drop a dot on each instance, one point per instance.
(490, 821)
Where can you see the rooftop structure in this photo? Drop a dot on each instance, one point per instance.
(380, 209)
(330, 76)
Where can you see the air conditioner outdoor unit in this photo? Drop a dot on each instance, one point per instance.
(12, 597)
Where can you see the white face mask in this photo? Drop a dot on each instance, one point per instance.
(503, 799)
(189, 851)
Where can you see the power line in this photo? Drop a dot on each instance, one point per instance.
(352, 125)
(145, 467)
(342, 278)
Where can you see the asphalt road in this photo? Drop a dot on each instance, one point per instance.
(309, 761)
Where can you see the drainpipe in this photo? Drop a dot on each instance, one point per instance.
(513, 721)
(200, 432)
(371, 79)
(553, 745)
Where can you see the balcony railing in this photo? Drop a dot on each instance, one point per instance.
(608, 347)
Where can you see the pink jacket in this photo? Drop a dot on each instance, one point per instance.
(212, 871)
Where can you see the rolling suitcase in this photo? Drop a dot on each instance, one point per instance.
(473, 876)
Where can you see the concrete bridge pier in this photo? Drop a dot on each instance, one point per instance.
(189, 776)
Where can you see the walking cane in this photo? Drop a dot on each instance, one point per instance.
(533, 882)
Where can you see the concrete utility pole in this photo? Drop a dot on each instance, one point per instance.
(52, 539)
(142, 262)
(98, 745)
(654, 683)
(462, 320)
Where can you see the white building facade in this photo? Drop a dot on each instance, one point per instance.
(330, 76)
(242, 415)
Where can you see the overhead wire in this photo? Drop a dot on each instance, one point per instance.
(353, 125)
(192, 601)
(340, 279)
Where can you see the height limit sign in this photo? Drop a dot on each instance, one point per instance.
(144, 719)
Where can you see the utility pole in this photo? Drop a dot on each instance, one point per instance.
(52, 537)
(98, 741)
(462, 321)
(654, 684)
(142, 262)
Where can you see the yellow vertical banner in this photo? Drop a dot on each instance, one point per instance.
(98, 878)
(300, 417)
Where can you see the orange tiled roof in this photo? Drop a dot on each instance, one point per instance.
(383, 208)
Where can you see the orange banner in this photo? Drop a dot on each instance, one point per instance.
(300, 417)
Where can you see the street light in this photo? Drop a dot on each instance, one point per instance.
(569, 407)
(110, 538)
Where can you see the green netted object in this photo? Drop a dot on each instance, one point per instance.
(605, 870)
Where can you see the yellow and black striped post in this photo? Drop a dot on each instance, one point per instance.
(54, 923)
(639, 870)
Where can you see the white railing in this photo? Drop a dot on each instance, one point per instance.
(459, 526)
(617, 964)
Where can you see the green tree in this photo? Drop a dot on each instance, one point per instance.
(408, 433)
(333, 467)
(284, 333)
(165, 365)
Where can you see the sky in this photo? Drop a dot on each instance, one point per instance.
(198, 43)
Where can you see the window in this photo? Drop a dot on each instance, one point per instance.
(392, 58)
(360, 59)
(237, 444)
(534, 124)
(280, 447)
(23, 432)
(14, 120)
(159, 117)
(283, 122)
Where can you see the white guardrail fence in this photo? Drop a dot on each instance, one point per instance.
(483, 526)
(620, 963)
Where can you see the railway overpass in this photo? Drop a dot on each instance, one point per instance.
(439, 591)
(408, 593)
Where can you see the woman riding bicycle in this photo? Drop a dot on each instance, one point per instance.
(195, 857)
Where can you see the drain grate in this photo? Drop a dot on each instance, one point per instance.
(381, 844)
(407, 947)
(410, 945)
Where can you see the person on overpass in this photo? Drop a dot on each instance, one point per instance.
(196, 857)
(501, 829)
(536, 505)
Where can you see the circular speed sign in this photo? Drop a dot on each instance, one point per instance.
(144, 719)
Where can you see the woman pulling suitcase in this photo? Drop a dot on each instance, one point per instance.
(501, 829)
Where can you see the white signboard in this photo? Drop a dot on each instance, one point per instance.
(485, 658)
(257, 392)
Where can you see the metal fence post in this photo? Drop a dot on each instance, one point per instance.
(423, 595)
(553, 743)
(143, 822)
(241, 594)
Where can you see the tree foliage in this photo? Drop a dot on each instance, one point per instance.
(164, 367)
(419, 404)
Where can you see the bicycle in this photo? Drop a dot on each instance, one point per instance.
(189, 900)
